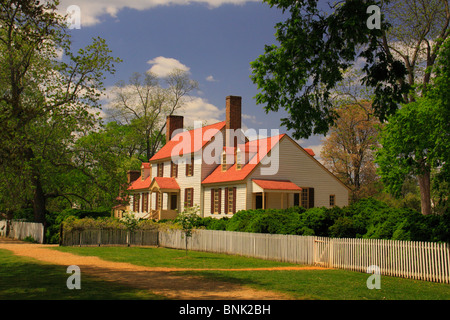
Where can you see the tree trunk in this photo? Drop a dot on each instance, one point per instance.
(38, 201)
(425, 192)
(149, 151)
(38, 193)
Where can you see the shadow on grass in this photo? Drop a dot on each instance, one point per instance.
(24, 279)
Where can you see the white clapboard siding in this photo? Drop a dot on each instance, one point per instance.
(291, 162)
(241, 194)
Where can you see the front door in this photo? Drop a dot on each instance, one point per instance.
(259, 201)
(173, 202)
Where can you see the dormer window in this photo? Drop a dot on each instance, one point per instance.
(238, 159)
(224, 161)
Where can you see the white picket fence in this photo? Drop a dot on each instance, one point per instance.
(21, 230)
(409, 259)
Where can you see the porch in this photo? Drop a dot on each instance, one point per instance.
(275, 194)
(166, 200)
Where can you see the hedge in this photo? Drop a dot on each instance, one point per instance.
(367, 218)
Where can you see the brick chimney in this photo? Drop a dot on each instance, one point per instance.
(173, 123)
(133, 175)
(233, 120)
(146, 170)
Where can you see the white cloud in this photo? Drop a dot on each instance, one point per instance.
(210, 79)
(93, 10)
(162, 66)
(199, 109)
(252, 118)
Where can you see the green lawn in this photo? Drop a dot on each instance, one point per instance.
(23, 278)
(305, 284)
(163, 257)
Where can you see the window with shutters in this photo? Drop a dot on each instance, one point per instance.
(173, 169)
(230, 200)
(190, 168)
(238, 159)
(145, 202)
(189, 197)
(224, 161)
(160, 167)
(307, 198)
(158, 200)
(136, 203)
(216, 201)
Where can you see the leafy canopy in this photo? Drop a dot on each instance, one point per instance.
(315, 49)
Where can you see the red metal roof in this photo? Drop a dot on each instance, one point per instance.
(276, 184)
(188, 142)
(232, 174)
(166, 183)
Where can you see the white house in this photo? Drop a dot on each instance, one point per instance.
(218, 169)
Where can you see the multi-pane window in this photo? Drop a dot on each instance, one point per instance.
(224, 161)
(145, 202)
(173, 170)
(307, 198)
(216, 201)
(190, 168)
(230, 200)
(332, 200)
(189, 197)
(158, 200)
(160, 167)
(136, 202)
(238, 160)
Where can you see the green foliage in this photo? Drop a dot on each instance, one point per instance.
(366, 218)
(315, 49)
(187, 220)
(46, 104)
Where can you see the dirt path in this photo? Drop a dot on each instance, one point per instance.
(159, 280)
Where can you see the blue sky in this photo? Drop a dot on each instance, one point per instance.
(215, 40)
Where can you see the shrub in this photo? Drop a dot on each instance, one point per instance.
(218, 224)
(241, 219)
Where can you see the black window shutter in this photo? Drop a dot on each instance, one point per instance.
(226, 200)
(234, 200)
(220, 200)
(212, 201)
(311, 197)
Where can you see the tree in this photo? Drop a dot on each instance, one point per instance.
(144, 105)
(106, 155)
(45, 102)
(348, 148)
(416, 139)
(187, 219)
(316, 48)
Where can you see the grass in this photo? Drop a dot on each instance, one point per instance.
(163, 257)
(25, 279)
(305, 284)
